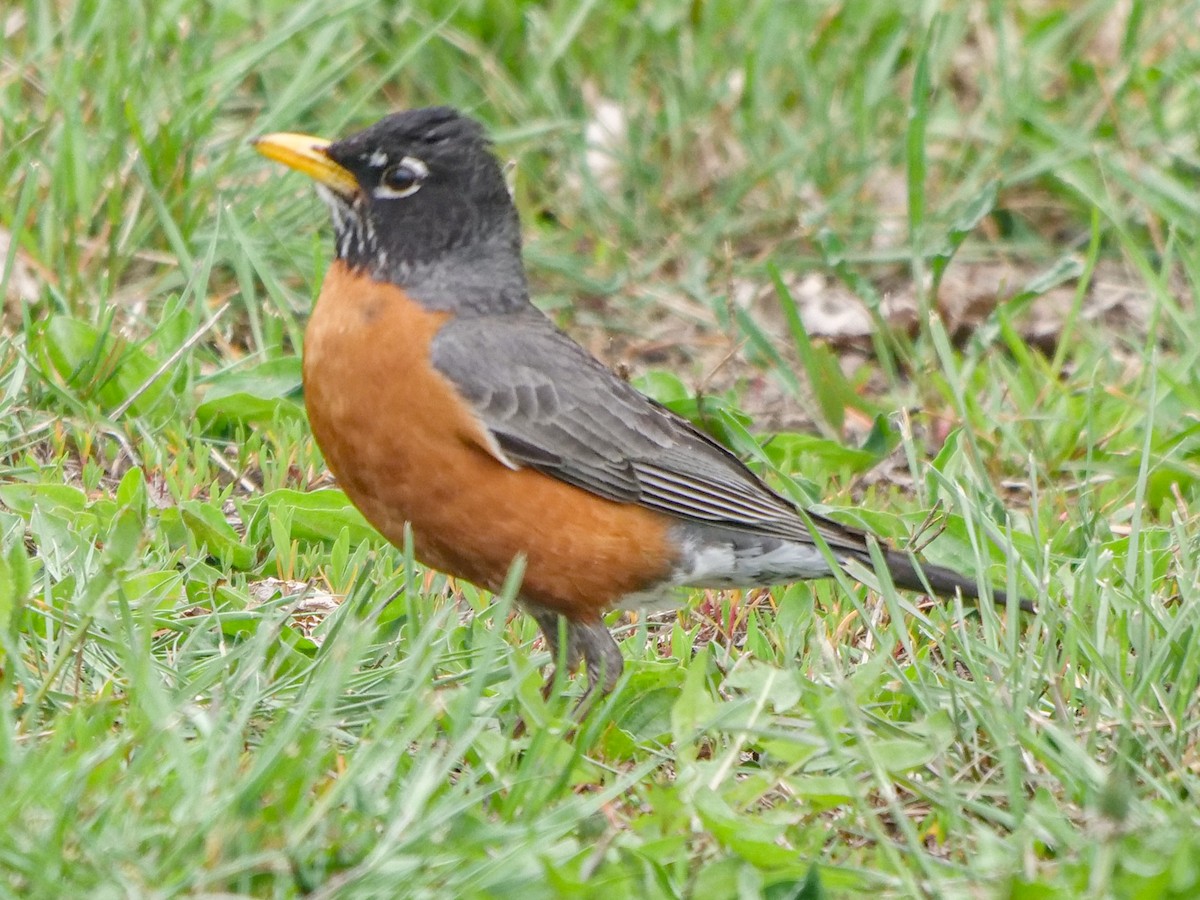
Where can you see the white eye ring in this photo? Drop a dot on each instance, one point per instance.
(401, 180)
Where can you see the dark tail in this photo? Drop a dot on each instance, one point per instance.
(942, 581)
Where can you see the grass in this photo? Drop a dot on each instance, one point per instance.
(215, 679)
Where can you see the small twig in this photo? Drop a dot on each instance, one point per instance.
(247, 485)
(933, 521)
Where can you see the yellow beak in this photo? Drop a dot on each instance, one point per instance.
(307, 154)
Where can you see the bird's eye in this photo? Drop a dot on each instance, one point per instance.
(403, 179)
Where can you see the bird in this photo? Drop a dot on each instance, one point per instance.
(443, 400)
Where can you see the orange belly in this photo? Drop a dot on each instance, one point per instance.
(405, 448)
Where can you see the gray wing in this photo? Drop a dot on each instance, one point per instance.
(550, 406)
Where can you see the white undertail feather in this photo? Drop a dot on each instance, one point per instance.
(725, 565)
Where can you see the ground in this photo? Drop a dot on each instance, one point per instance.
(932, 268)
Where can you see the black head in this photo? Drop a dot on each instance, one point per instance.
(414, 196)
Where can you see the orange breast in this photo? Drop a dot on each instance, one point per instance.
(405, 447)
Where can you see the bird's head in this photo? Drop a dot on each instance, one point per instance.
(417, 190)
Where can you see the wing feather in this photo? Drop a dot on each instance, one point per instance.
(552, 407)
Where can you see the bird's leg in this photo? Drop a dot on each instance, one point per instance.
(550, 622)
(589, 642)
(602, 657)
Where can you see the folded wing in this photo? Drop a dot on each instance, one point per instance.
(550, 406)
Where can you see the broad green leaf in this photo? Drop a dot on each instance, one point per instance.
(261, 393)
(22, 498)
(319, 515)
(115, 372)
(749, 837)
(210, 529)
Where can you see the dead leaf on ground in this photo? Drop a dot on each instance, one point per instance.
(606, 137)
(1115, 298)
(309, 610)
(22, 283)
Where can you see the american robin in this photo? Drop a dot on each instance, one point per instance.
(441, 397)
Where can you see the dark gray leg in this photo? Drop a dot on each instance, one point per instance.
(601, 655)
(587, 642)
(549, 623)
